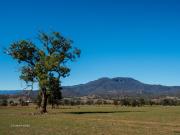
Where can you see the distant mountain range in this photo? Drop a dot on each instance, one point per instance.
(113, 87)
(120, 86)
(9, 92)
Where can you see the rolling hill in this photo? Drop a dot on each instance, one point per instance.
(120, 86)
(111, 87)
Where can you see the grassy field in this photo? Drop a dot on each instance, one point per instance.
(91, 120)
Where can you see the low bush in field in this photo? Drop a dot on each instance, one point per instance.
(3, 102)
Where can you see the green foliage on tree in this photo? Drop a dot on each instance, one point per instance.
(55, 91)
(38, 100)
(43, 60)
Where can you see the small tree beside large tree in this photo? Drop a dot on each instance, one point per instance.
(44, 61)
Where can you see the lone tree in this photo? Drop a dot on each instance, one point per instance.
(43, 62)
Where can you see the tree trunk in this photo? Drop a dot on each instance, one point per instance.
(44, 101)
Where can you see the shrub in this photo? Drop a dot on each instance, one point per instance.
(115, 102)
(89, 102)
(135, 103)
(23, 103)
(170, 102)
(99, 102)
(142, 101)
(12, 103)
(125, 102)
(4, 102)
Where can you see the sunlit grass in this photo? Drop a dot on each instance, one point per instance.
(91, 120)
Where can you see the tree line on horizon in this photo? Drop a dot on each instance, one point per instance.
(134, 102)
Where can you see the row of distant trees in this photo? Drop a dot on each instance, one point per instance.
(122, 102)
(5, 102)
(142, 102)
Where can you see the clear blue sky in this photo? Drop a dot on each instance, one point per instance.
(118, 38)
